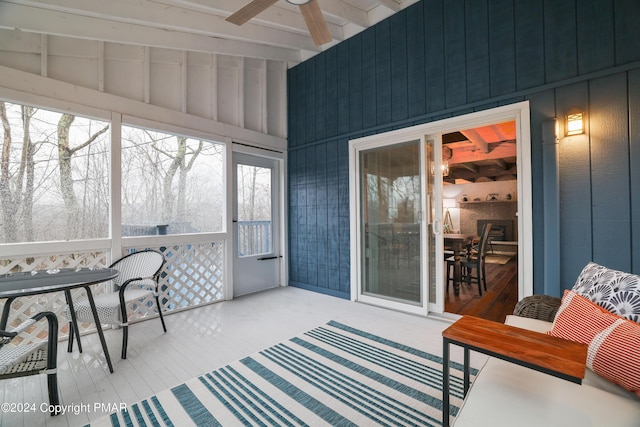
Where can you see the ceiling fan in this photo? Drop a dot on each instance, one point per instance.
(310, 11)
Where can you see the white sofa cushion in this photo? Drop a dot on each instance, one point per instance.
(505, 394)
(590, 377)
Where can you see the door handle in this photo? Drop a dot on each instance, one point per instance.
(269, 257)
(437, 227)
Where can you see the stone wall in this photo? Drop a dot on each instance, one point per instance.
(471, 212)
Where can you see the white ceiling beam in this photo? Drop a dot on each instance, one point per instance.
(31, 19)
(341, 11)
(336, 11)
(392, 5)
(155, 15)
(15, 84)
(276, 17)
(386, 9)
(278, 33)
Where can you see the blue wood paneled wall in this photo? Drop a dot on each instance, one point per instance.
(441, 58)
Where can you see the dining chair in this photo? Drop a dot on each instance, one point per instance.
(138, 279)
(450, 261)
(22, 358)
(476, 262)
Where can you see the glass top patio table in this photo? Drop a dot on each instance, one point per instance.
(24, 284)
(15, 285)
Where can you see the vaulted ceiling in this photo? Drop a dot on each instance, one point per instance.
(278, 33)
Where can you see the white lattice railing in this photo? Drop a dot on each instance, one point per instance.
(192, 276)
(26, 307)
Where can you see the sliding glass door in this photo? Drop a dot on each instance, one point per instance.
(396, 227)
(433, 223)
(395, 192)
(390, 192)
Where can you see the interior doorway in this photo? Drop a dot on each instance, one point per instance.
(480, 189)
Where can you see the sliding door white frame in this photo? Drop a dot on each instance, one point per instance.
(518, 112)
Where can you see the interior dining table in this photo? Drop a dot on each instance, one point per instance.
(36, 282)
(458, 243)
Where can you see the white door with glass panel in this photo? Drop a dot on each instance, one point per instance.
(256, 264)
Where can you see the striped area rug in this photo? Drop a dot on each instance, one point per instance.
(332, 375)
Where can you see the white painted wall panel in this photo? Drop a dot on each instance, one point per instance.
(19, 41)
(72, 48)
(124, 70)
(229, 89)
(165, 78)
(73, 61)
(200, 82)
(254, 94)
(20, 50)
(29, 62)
(79, 71)
(225, 89)
(276, 98)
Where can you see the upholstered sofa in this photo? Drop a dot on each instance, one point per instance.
(504, 394)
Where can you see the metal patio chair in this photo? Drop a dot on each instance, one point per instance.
(137, 280)
(19, 359)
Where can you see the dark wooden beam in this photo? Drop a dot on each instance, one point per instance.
(501, 163)
(453, 137)
(469, 166)
(499, 151)
(491, 172)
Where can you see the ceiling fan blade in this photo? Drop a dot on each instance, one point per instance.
(249, 11)
(316, 23)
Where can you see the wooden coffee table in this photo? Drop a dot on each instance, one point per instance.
(544, 353)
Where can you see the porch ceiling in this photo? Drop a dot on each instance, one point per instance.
(278, 33)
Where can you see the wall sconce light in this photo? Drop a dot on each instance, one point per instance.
(575, 123)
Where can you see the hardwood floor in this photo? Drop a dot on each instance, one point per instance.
(494, 304)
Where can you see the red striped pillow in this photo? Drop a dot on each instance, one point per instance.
(614, 342)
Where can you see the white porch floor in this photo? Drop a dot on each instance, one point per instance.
(199, 341)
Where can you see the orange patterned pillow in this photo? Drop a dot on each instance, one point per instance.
(614, 342)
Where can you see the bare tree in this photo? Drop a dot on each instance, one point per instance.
(65, 154)
(9, 207)
(247, 184)
(11, 186)
(168, 179)
(254, 200)
(27, 167)
(179, 166)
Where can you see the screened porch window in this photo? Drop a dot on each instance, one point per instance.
(54, 176)
(171, 184)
